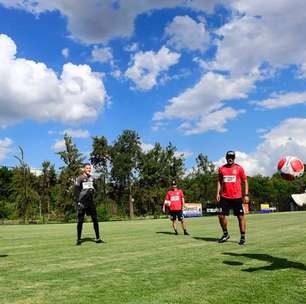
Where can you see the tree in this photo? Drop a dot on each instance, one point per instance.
(6, 205)
(23, 193)
(99, 158)
(73, 160)
(47, 182)
(124, 160)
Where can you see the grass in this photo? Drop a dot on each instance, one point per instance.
(142, 262)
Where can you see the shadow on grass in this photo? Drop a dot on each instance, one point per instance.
(83, 240)
(275, 263)
(206, 239)
(210, 239)
(166, 232)
(3, 255)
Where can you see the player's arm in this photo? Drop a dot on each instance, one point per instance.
(164, 205)
(183, 200)
(246, 191)
(219, 186)
(77, 190)
(246, 186)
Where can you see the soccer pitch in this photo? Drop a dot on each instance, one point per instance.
(143, 262)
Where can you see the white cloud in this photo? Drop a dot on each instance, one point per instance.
(288, 138)
(185, 33)
(5, 147)
(102, 54)
(59, 145)
(31, 90)
(65, 52)
(77, 133)
(146, 147)
(95, 21)
(185, 154)
(202, 107)
(262, 33)
(132, 47)
(283, 100)
(146, 67)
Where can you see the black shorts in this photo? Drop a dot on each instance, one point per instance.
(88, 209)
(235, 203)
(176, 215)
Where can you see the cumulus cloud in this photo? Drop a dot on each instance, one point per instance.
(77, 133)
(65, 52)
(288, 138)
(283, 100)
(262, 33)
(146, 147)
(5, 147)
(59, 145)
(184, 154)
(132, 47)
(147, 67)
(31, 90)
(95, 21)
(102, 54)
(185, 33)
(202, 107)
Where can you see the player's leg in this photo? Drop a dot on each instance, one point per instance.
(95, 222)
(173, 216)
(239, 212)
(183, 222)
(81, 215)
(224, 205)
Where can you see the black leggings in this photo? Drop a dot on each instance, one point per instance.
(88, 209)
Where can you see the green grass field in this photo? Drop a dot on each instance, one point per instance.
(142, 262)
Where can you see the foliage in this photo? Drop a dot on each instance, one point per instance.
(23, 192)
(73, 160)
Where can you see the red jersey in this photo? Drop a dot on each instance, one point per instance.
(230, 178)
(176, 199)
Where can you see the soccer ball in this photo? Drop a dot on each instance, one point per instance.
(290, 167)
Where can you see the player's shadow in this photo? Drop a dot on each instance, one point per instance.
(87, 239)
(210, 239)
(166, 232)
(206, 239)
(275, 263)
(3, 255)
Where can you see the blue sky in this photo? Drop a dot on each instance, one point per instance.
(208, 76)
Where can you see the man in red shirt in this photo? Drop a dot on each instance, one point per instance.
(229, 195)
(176, 201)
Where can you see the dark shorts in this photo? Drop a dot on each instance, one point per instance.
(88, 209)
(235, 203)
(176, 215)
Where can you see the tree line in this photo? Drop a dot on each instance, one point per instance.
(130, 182)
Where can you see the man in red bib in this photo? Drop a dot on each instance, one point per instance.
(176, 201)
(229, 195)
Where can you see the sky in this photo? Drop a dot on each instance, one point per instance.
(207, 76)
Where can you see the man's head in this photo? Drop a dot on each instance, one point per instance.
(230, 157)
(174, 185)
(87, 168)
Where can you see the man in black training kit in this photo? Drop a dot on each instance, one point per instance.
(84, 193)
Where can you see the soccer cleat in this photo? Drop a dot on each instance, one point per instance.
(99, 241)
(224, 238)
(186, 233)
(175, 231)
(78, 243)
(242, 241)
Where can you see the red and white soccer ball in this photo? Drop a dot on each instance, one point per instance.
(290, 167)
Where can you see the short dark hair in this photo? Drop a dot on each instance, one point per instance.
(230, 154)
(86, 164)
